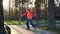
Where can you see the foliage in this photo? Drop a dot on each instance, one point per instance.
(7, 30)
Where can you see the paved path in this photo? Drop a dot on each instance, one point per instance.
(21, 29)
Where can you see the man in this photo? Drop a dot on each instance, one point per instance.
(29, 16)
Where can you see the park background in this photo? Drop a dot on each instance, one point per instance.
(12, 10)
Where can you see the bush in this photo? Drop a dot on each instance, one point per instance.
(7, 29)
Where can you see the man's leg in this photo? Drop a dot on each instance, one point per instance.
(27, 24)
(32, 23)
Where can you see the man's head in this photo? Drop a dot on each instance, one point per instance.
(29, 10)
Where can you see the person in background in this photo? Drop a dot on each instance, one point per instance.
(29, 14)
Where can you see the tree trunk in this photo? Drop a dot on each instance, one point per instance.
(16, 11)
(37, 3)
(1, 19)
(51, 16)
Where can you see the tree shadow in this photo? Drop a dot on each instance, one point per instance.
(34, 30)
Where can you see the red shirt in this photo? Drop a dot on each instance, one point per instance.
(28, 14)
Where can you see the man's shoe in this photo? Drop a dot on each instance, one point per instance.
(27, 29)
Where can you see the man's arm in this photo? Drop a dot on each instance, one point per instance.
(24, 14)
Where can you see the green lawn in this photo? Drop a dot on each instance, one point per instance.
(57, 30)
(14, 22)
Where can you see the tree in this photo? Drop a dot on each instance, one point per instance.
(16, 11)
(1, 19)
(51, 15)
(37, 3)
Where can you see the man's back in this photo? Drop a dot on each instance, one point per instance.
(29, 15)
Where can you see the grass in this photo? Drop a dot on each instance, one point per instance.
(10, 22)
(57, 30)
(58, 22)
(14, 22)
